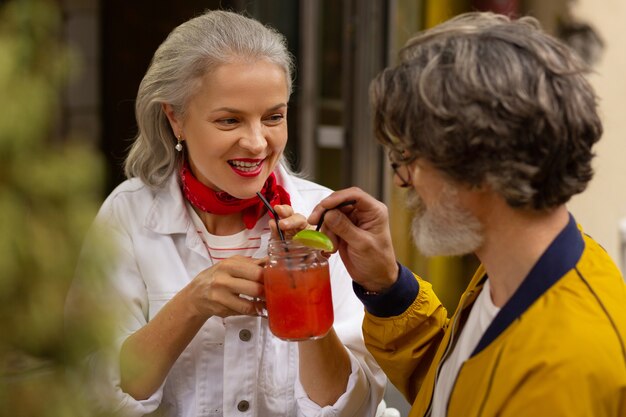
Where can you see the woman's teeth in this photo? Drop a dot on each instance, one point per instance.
(245, 166)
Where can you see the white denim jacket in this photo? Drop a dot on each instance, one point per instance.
(223, 371)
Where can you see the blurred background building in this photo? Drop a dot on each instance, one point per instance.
(339, 46)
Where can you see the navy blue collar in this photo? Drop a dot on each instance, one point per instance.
(560, 257)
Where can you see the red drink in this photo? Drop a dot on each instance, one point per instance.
(297, 294)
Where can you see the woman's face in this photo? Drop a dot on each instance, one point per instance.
(235, 127)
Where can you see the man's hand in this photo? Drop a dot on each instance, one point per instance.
(361, 234)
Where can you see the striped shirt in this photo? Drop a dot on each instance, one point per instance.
(244, 243)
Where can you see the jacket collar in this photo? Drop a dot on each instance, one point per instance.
(168, 214)
(298, 202)
(560, 257)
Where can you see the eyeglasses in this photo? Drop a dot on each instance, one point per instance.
(398, 157)
(396, 170)
(396, 163)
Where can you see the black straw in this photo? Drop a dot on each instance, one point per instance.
(345, 203)
(271, 210)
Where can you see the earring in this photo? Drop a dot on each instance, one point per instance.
(179, 145)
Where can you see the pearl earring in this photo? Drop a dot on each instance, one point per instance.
(179, 145)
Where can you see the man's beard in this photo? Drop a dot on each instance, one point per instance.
(445, 228)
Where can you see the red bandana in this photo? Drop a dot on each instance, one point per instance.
(220, 202)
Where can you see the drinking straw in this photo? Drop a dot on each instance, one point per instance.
(345, 203)
(271, 210)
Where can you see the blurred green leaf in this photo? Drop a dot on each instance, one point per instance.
(50, 189)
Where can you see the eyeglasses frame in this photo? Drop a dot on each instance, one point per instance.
(395, 166)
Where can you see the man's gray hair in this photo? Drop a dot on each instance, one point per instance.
(492, 101)
(191, 50)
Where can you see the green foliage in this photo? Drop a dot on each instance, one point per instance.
(49, 192)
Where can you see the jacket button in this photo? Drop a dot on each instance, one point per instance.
(243, 406)
(245, 335)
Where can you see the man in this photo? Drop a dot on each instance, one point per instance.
(490, 123)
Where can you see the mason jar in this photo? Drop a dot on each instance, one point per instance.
(298, 296)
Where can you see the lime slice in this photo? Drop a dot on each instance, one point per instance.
(314, 239)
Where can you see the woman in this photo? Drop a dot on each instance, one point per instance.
(212, 118)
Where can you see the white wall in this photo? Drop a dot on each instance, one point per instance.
(603, 204)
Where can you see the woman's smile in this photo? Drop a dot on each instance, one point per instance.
(247, 167)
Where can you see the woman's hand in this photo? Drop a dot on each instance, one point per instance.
(290, 223)
(229, 288)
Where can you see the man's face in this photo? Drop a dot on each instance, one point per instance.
(441, 224)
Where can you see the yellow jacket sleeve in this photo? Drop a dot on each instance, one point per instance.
(404, 345)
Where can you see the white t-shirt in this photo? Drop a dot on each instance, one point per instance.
(480, 317)
(245, 243)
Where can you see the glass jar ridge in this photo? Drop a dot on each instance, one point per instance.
(294, 254)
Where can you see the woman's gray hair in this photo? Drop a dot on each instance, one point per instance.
(191, 50)
(489, 100)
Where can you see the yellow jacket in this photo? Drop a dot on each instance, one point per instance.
(556, 348)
